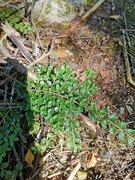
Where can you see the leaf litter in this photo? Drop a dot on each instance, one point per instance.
(91, 46)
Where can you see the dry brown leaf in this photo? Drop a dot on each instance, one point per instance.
(88, 122)
(104, 74)
(58, 41)
(80, 74)
(44, 158)
(61, 53)
(82, 78)
(92, 160)
(29, 157)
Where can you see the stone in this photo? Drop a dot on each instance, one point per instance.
(58, 10)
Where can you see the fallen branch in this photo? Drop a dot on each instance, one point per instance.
(14, 62)
(127, 64)
(16, 39)
(126, 51)
(83, 19)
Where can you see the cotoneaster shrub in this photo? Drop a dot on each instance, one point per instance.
(59, 97)
(22, 26)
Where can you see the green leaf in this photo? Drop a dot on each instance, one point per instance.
(103, 112)
(103, 123)
(4, 165)
(88, 94)
(69, 130)
(113, 129)
(82, 89)
(2, 174)
(57, 87)
(77, 134)
(65, 76)
(76, 124)
(113, 117)
(50, 103)
(130, 141)
(80, 109)
(76, 92)
(94, 117)
(93, 106)
(90, 73)
(63, 67)
(49, 83)
(18, 167)
(6, 139)
(56, 109)
(131, 131)
(50, 112)
(122, 135)
(122, 125)
(37, 144)
(8, 174)
(70, 88)
(43, 110)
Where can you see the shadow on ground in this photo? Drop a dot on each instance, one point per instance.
(16, 120)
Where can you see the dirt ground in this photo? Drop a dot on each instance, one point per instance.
(93, 45)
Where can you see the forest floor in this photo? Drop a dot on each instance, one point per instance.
(98, 44)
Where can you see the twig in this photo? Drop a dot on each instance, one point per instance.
(88, 122)
(127, 64)
(5, 93)
(127, 58)
(12, 91)
(32, 177)
(42, 10)
(126, 33)
(33, 24)
(23, 142)
(15, 153)
(111, 158)
(15, 37)
(19, 67)
(53, 175)
(44, 54)
(74, 171)
(84, 18)
(36, 164)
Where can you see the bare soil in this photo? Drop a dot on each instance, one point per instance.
(93, 45)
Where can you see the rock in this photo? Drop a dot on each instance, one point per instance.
(58, 10)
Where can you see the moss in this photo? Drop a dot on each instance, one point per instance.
(68, 9)
(57, 10)
(48, 8)
(87, 3)
(98, 37)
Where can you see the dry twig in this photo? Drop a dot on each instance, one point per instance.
(44, 54)
(74, 171)
(127, 57)
(15, 37)
(88, 122)
(19, 67)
